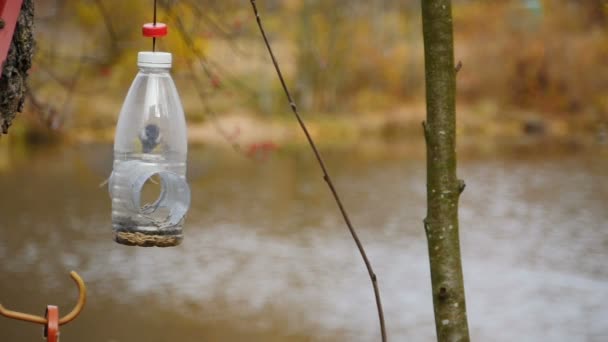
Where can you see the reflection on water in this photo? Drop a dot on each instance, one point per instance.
(266, 256)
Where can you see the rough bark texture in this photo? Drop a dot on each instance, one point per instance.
(15, 69)
(443, 188)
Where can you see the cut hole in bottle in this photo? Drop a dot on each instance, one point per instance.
(151, 196)
(150, 192)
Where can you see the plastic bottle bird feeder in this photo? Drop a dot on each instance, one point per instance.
(150, 144)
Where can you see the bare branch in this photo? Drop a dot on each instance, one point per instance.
(326, 177)
(108, 24)
(214, 120)
(208, 66)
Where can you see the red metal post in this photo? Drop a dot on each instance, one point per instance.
(9, 13)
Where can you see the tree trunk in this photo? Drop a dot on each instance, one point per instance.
(443, 188)
(13, 85)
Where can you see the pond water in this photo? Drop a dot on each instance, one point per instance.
(266, 256)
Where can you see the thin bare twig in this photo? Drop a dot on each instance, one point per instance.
(224, 33)
(71, 88)
(210, 68)
(326, 177)
(199, 56)
(50, 114)
(181, 29)
(214, 119)
(107, 21)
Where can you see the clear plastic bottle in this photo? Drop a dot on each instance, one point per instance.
(150, 143)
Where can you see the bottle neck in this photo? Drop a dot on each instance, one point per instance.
(154, 70)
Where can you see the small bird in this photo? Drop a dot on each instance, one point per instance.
(150, 137)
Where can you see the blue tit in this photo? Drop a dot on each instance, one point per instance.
(150, 137)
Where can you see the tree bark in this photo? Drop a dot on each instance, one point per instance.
(13, 84)
(443, 188)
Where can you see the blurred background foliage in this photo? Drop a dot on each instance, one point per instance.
(529, 66)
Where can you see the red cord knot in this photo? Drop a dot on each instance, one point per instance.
(152, 30)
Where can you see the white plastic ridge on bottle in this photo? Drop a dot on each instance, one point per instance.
(150, 143)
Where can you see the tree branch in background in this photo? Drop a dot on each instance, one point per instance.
(200, 57)
(181, 29)
(211, 70)
(226, 34)
(443, 188)
(107, 21)
(326, 177)
(49, 114)
(230, 138)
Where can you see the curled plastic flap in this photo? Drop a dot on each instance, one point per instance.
(174, 196)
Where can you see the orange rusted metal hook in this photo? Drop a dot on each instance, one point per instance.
(82, 298)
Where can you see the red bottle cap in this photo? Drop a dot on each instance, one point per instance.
(154, 30)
